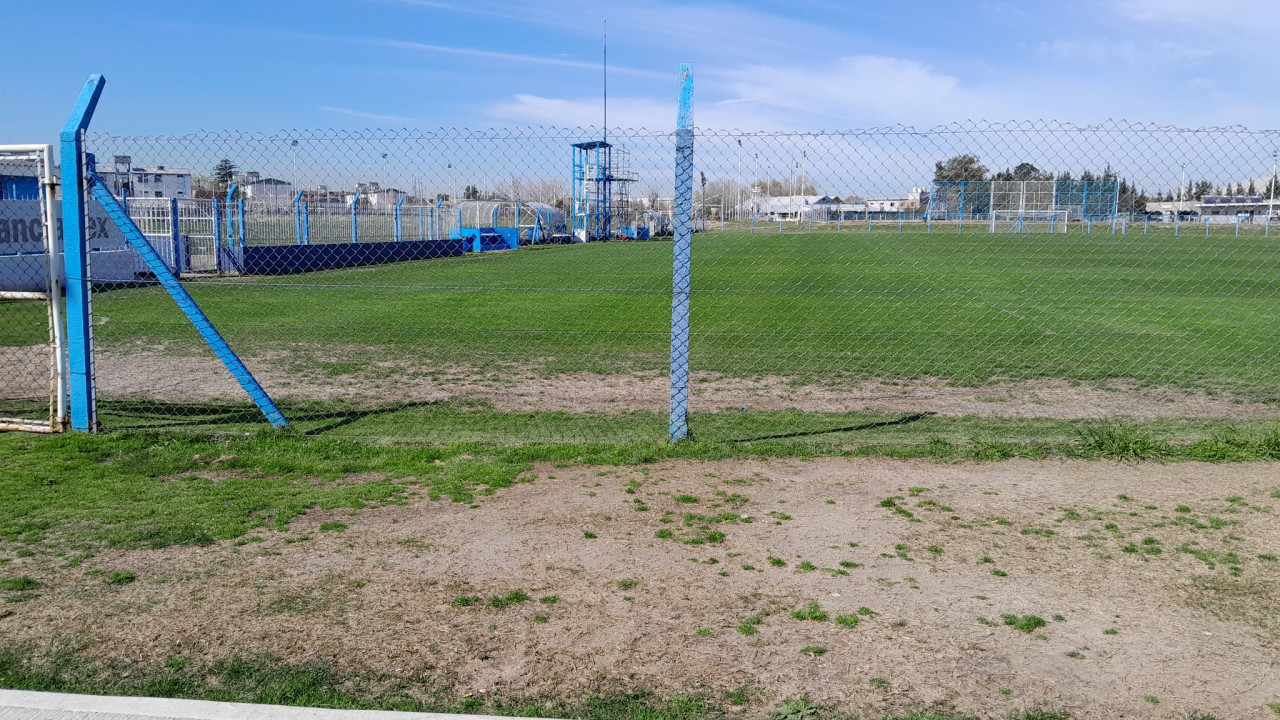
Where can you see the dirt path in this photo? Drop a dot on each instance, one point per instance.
(180, 379)
(1177, 560)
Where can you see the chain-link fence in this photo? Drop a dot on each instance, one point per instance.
(30, 332)
(516, 285)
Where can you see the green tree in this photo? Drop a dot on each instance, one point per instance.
(224, 171)
(960, 167)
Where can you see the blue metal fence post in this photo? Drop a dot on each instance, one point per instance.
(84, 410)
(297, 217)
(306, 223)
(355, 224)
(399, 236)
(175, 236)
(421, 233)
(682, 259)
(240, 219)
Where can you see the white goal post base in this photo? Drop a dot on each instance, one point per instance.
(1031, 221)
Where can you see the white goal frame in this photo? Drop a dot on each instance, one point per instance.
(52, 294)
(1037, 221)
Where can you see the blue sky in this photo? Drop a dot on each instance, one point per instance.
(267, 65)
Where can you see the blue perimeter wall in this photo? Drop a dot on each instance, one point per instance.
(289, 259)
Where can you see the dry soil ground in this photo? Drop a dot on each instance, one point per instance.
(154, 375)
(1156, 583)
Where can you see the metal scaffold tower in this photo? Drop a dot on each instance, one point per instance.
(601, 194)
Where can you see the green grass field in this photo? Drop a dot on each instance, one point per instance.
(1185, 312)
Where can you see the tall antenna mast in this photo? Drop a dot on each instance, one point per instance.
(606, 81)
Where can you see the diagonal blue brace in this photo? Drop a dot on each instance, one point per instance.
(185, 302)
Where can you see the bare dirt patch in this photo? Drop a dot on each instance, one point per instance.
(158, 376)
(1151, 580)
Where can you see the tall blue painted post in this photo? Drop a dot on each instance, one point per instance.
(399, 234)
(175, 237)
(355, 218)
(297, 216)
(682, 260)
(84, 410)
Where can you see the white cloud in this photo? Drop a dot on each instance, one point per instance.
(371, 116)
(1140, 55)
(855, 91)
(627, 112)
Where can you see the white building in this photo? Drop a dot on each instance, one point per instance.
(374, 195)
(1217, 205)
(157, 182)
(268, 190)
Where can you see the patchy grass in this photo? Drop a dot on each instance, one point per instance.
(1025, 623)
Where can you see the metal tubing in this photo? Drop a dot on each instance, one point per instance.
(355, 224)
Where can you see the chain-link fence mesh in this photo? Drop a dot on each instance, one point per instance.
(401, 284)
(29, 367)
(516, 285)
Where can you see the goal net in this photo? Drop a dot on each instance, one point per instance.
(1029, 221)
(31, 360)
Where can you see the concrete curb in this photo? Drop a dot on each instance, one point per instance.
(29, 705)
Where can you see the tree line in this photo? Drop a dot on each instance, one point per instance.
(968, 167)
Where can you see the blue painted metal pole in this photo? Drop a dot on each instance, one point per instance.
(184, 300)
(84, 409)
(240, 219)
(175, 237)
(682, 261)
(355, 224)
(297, 217)
(399, 234)
(306, 222)
(421, 230)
